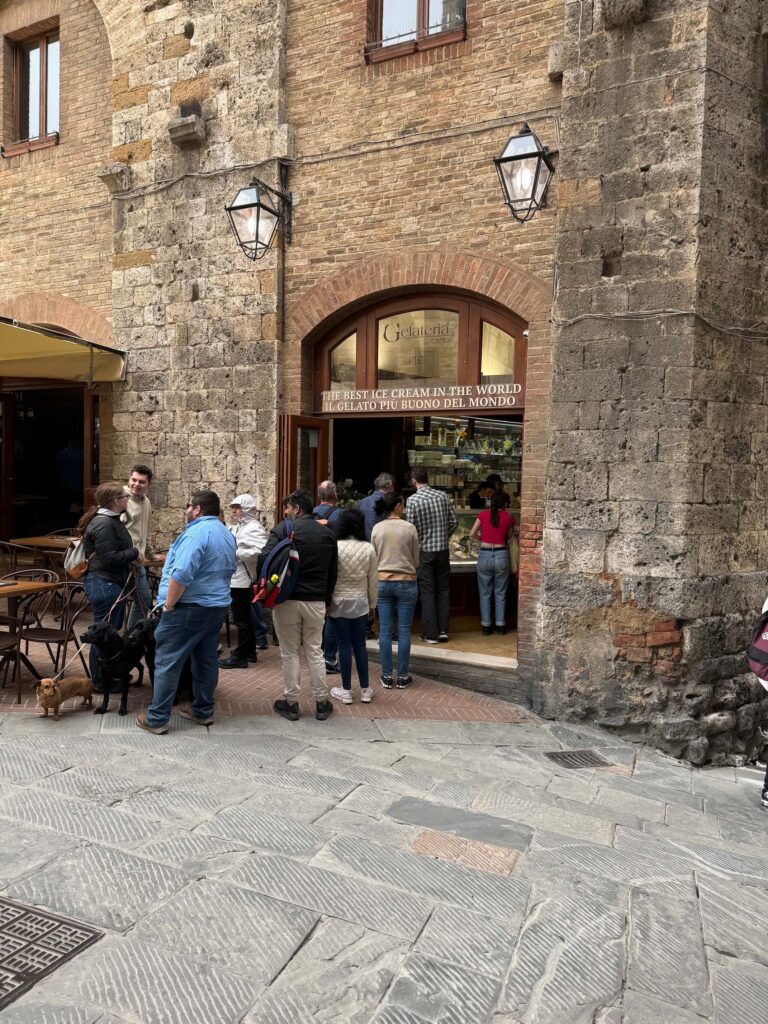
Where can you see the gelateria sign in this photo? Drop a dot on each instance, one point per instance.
(466, 397)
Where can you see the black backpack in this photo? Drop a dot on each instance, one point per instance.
(757, 652)
(279, 572)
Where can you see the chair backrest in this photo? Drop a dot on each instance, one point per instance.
(13, 555)
(75, 602)
(38, 575)
(34, 607)
(67, 532)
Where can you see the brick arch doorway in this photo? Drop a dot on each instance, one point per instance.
(329, 434)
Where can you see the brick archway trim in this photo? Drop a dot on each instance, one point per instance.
(503, 281)
(58, 311)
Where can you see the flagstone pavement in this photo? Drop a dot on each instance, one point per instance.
(382, 870)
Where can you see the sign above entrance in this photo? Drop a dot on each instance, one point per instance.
(441, 398)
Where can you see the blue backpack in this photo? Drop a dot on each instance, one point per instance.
(279, 572)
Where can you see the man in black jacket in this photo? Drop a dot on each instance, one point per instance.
(299, 620)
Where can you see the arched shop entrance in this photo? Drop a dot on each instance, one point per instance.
(432, 379)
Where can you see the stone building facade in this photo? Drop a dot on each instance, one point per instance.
(643, 530)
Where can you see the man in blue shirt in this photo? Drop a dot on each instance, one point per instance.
(194, 593)
(383, 484)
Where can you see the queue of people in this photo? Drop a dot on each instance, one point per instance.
(384, 556)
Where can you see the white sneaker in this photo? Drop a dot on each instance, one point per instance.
(345, 696)
(366, 694)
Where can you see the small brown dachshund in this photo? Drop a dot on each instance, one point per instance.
(52, 692)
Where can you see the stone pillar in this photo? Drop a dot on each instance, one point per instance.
(655, 546)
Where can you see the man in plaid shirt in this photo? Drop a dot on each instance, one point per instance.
(431, 513)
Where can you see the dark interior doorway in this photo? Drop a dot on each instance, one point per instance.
(47, 460)
(363, 448)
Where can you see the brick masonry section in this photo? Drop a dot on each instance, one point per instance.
(470, 853)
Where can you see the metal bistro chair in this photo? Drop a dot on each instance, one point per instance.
(12, 556)
(33, 630)
(10, 651)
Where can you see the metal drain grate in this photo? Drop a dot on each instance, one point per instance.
(578, 759)
(33, 943)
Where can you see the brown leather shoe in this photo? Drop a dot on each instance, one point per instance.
(158, 730)
(190, 716)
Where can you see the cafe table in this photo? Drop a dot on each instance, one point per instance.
(56, 543)
(13, 591)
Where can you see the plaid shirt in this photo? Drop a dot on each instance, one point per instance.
(431, 513)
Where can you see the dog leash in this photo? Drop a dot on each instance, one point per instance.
(64, 667)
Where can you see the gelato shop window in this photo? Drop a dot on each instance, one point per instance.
(418, 348)
(343, 363)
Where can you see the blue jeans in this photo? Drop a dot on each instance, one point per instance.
(102, 595)
(350, 636)
(260, 627)
(142, 598)
(492, 581)
(396, 596)
(189, 630)
(330, 643)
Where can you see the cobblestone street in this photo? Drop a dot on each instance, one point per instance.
(383, 870)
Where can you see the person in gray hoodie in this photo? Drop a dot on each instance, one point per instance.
(250, 537)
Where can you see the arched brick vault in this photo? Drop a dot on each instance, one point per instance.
(313, 312)
(57, 311)
(500, 280)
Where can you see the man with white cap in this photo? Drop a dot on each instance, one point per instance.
(250, 537)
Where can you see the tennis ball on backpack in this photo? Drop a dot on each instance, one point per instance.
(274, 578)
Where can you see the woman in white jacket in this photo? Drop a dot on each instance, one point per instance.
(353, 600)
(250, 537)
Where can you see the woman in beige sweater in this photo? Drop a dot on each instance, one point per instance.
(353, 600)
(396, 543)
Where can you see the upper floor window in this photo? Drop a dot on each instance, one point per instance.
(399, 27)
(35, 67)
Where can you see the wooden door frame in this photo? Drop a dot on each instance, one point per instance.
(288, 452)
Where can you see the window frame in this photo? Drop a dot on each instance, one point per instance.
(473, 312)
(43, 32)
(376, 50)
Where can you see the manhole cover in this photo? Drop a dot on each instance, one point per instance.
(33, 943)
(578, 759)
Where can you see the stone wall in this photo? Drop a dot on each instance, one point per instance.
(174, 106)
(655, 541)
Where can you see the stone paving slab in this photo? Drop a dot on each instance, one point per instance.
(470, 824)
(336, 895)
(428, 990)
(666, 952)
(551, 979)
(290, 804)
(741, 993)
(249, 934)
(734, 918)
(144, 984)
(77, 818)
(443, 882)
(94, 784)
(29, 1010)
(388, 833)
(24, 848)
(340, 975)
(469, 940)
(501, 803)
(197, 854)
(102, 886)
(264, 831)
(641, 1008)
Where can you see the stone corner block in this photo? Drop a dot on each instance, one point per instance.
(556, 62)
(116, 176)
(187, 131)
(619, 13)
(284, 142)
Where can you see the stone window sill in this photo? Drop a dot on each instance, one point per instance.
(29, 146)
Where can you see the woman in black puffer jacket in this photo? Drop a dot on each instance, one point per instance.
(110, 553)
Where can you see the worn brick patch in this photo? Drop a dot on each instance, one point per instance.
(469, 852)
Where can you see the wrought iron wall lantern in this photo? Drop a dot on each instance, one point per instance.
(525, 171)
(256, 213)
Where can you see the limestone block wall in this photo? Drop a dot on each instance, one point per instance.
(654, 540)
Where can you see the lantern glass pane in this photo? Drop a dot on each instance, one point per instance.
(245, 223)
(266, 225)
(520, 145)
(520, 176)
(541, 185)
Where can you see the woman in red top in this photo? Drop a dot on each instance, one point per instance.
(493, 527)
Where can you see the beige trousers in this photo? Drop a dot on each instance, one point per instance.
(297, 624)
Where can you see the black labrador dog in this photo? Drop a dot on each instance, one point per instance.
(119, 656)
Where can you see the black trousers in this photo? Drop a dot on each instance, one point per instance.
(434, 579)
(241, 616)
